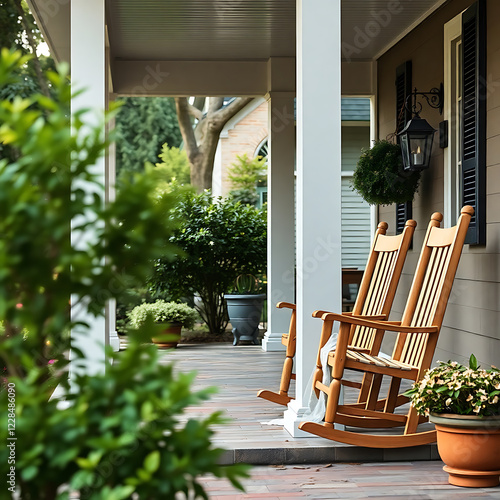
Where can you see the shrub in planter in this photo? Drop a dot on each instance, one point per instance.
(170, 316)
(220, 240)
(379, 176)
(162, 312)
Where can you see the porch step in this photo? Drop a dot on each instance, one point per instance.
(323, 455)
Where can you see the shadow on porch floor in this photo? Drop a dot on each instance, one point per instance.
(239, 372)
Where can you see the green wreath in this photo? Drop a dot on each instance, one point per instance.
(379, 176)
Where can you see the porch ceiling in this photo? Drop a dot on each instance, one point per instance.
(228, 29)
(248, 29)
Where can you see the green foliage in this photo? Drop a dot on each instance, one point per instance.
(13, 35)
(220, 240)
(454, 388)
(35, 192)
(379, 176)
(163, 312)
(245, 175)
(174, 165)
(120, 433)
(143, 126)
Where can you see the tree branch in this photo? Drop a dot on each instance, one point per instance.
(195, 112)
(186, 127)
(222, 116)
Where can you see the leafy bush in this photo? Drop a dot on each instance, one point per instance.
(379, 176)
(120, 433)
(220, 240)
(174, 165)
(163, 312)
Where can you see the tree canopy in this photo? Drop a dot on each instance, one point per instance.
(143, 126)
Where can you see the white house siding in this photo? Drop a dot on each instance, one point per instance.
(355, 211)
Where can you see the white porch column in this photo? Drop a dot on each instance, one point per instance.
(88, 71)
(281, 227)
(318, 185)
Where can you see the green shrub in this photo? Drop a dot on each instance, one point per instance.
(379, 176)
(220, 240)
(120, 434)
(163, 312)
(174, 165)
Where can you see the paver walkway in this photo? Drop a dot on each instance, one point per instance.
(406, 480)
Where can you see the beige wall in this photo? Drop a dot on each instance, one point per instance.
(472, 321)
(245, 137)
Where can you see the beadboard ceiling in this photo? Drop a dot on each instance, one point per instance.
(246, 29)
(228, 29)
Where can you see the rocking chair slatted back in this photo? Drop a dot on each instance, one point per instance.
(431, 288)
(380, 280)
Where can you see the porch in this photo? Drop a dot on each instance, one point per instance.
(238, 373)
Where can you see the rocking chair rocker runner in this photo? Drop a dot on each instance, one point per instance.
(414, 348)
(374, 301)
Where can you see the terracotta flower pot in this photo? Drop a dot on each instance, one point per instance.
(172, 333)
(469, 446)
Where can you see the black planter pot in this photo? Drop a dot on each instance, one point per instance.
(244, 314)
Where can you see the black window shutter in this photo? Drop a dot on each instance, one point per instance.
(473, 174)
(403, 116)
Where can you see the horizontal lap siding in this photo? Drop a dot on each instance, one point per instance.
(355, 211)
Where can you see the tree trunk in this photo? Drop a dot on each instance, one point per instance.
(201, 152)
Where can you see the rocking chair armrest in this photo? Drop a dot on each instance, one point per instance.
(374, 317)
(391, 326)
(288, 305)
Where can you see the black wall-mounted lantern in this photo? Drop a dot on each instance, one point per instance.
(417, 137)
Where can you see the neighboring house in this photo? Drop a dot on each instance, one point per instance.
(247, 133)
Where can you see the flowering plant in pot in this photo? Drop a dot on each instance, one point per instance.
(170, 316)
(244, 308)
(464, 404)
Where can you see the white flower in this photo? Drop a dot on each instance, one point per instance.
(448, 402)
(469, 398)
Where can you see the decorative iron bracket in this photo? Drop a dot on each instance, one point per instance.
(434, 98)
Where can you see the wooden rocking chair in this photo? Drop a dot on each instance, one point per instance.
(374, 300)
(418, 333)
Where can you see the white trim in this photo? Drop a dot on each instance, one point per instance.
(452, 30)
(410, 28)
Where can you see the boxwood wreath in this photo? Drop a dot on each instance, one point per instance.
(379, 176)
